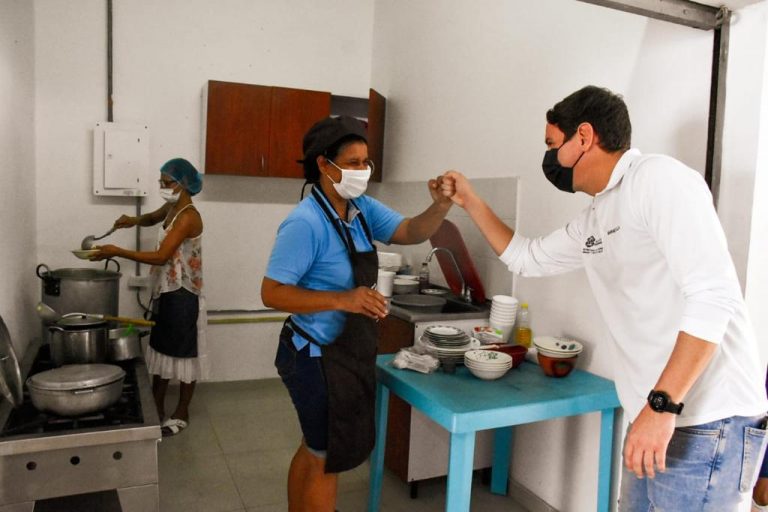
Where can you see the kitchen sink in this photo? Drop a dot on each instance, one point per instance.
(453, 309)
(459, 306)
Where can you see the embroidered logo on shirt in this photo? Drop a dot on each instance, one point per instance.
(593, 246)
(612, 231)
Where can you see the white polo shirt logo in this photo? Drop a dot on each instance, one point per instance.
(593, 245)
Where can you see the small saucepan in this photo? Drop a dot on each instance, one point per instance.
(76, 389)
(124, 343)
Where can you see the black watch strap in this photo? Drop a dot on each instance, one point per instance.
(661, 402)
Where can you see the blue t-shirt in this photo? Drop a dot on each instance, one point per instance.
(309, 253)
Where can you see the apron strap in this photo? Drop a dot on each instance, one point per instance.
(304, 334)
(335, 221)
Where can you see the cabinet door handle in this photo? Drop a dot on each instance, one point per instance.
(262, 163)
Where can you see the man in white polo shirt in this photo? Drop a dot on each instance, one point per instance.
(688, 371)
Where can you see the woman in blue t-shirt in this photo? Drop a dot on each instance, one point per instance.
(323, 269)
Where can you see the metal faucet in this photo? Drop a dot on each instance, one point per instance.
(466, 295)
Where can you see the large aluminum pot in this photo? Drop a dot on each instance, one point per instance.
(77, 340)
(80, 290)
(124, 343)
(76, 389)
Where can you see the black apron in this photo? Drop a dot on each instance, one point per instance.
(349, 364)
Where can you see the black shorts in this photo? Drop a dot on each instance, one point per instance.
(175, 331)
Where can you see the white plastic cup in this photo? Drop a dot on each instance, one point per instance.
(384, 282)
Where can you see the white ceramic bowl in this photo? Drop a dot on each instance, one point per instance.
(402, 286)
(558, 344)
(84, 254)
(505, 300)
(486, 356)
(557, 355)
(486, 366)
(488, 374)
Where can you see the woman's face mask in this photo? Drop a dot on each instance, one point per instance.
(167, 184)
(559, 176)
(353, 182)
(169, 195)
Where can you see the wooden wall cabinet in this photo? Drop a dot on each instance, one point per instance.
(257, 130)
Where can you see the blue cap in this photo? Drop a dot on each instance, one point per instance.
(184, 173)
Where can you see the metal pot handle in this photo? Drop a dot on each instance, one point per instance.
(106, 264)
(56, 328)
(51, 285)
(83, 391)
(47, 271)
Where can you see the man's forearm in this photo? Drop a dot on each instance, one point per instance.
(688, 360)
(495, 231)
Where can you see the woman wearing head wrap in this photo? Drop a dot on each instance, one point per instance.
(176, 344)
(322, 270)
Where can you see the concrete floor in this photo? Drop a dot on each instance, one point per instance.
(234, 457)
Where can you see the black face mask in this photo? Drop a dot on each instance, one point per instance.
(559, 176)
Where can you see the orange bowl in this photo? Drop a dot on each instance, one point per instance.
(516, 351)
(556, 367)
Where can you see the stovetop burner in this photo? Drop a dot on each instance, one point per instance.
(26, 419)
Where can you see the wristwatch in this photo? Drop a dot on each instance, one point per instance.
(660, 402)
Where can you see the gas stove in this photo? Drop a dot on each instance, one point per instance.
(45, 458)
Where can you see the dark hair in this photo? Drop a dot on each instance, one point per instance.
(604, 110)
(312, 172)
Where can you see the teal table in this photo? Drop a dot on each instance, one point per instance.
(463, 404)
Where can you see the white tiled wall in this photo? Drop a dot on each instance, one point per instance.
(411, 198)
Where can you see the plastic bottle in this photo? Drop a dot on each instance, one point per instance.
(424, 276)
(523, 335)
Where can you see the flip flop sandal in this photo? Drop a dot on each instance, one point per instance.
(173, 426)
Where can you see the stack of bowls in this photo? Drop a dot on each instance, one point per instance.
(503, 312)
(556, 355)
(487, 364)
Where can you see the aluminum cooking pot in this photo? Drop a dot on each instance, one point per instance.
(124, 343)
(76, 389)
(86, 290)
(78, 339)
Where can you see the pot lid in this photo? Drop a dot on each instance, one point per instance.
(10, 373)
(76, 376)
(79, 321)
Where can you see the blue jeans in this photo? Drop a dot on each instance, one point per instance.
(710, 468)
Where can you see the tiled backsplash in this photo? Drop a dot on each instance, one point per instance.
(411, 198)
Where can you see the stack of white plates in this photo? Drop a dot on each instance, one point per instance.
(557, 347)
(487, 364)
(503, 312)
(447, 342)
(446, 336)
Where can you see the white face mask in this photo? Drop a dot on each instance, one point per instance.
(169, 195)
(353, 182)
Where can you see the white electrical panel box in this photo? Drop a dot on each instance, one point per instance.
(120, 159)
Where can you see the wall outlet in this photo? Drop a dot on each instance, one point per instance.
(138, 282)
